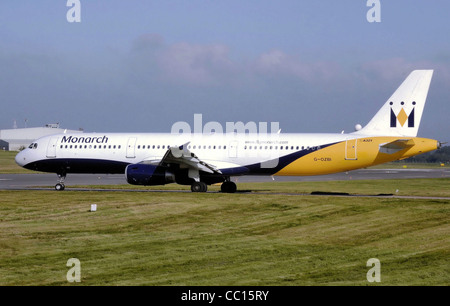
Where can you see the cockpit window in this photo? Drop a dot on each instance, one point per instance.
(33, 146)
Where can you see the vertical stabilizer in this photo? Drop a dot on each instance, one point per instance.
(401, 114)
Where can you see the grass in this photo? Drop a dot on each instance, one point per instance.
(402, 187)
(268, 236)
(406, 165)
(221, 239)
(438, 187)
(8, 164)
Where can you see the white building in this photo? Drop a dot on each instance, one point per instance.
(17, 139)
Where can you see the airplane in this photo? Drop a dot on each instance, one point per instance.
(200, 160)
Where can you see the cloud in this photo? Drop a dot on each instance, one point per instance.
(279, 63)
(196, 64)
(192, 64)
(212, 65)
(390, 69)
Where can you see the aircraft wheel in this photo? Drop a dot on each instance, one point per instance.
(228, 187)
(59, 187)
(199, 187)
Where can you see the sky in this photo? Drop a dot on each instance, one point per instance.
(141, 66)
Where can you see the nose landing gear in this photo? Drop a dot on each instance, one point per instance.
(60, 185)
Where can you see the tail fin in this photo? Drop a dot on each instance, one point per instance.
(401, 114)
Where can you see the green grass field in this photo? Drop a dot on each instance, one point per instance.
(438, 187)
(8, 165)
(268, 234)
(168, 238)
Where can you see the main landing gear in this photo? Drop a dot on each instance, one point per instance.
(199, 187)
(226, 187)
(60, 185)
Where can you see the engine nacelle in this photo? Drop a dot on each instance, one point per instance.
(143, 174)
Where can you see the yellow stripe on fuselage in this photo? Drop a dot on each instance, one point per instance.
(354, 154)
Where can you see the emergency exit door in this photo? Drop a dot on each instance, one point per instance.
(131, 153)
(351, 149)
(232, 149)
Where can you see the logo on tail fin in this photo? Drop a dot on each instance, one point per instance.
(402, 117)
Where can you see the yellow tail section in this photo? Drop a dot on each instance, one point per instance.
(352, 154)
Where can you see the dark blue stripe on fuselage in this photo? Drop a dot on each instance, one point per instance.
(76, 165)
(275, 165)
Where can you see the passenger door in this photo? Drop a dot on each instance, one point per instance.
(131, 152)
(51, 148)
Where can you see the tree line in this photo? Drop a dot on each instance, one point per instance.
(437, 156)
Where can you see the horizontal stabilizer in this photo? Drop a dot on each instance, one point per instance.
(396, 146)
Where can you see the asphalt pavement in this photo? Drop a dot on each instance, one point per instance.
(32, 180)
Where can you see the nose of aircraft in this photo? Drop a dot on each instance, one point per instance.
(21, 159)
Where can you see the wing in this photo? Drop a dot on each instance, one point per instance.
(182, 156)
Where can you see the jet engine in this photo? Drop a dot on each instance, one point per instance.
(144, 174)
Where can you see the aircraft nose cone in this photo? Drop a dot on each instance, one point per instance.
(20, 159)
